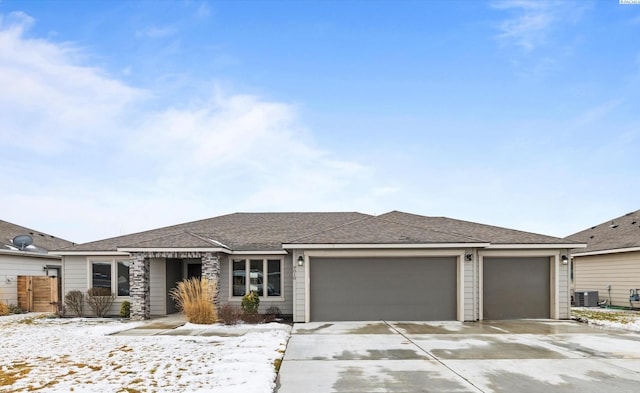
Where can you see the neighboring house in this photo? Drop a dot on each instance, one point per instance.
(336, 266)
(23, 259)
(610, 264)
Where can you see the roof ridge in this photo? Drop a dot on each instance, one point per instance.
(332, 228)
(211, 241)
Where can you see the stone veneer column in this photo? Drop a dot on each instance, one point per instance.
(139, 287)
(211, 270)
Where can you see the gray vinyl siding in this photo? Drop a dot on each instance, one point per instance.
(75, 278)
(469, 287)
(158, 286)
(564, 293)
(12, 266)
(597, 272)
(285, 305)
(75, 274)
(299, 289)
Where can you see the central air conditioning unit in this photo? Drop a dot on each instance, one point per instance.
(586, 298)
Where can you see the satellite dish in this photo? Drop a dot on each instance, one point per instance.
(22, 241)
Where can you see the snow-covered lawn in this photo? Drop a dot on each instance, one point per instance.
(608, 317)
(79, 355)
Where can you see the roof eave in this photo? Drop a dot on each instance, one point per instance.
(604, 252)
(29, 254)
(89, 253)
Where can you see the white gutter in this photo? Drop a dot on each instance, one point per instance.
(29, 254)
(381, 246)
(174, 249)
(536, 246)
(279, 252)
(604, 252)
(89, 253)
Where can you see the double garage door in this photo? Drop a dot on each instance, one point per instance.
(371, 289)
(423, 289)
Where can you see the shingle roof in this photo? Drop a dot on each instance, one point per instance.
(269, 231)
(486, 233)
(378, 230)
(239, 231)
(620, 232)
(41, 241)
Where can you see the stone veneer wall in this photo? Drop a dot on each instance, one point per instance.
(211, 271)
(139, 287)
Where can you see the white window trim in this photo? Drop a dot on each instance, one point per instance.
(114, 273)
(264, 259)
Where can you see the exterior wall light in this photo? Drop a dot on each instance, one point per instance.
(565, 259)
(468, 257)
(300, 260)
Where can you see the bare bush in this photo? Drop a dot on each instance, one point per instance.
(229, 314)
(100, 300)
(74, 300)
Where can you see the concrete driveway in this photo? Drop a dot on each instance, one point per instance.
(505, 356)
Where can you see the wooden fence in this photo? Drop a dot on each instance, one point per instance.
(38, 293)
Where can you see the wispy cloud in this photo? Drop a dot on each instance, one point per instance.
(531, 22)
(115, 157)
(156, 32)
(529, 25)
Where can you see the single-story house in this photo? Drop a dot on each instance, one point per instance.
(336, 266)
(610, 264)
(24, 253)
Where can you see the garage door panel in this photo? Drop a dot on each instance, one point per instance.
(356, 289)
(516, 288)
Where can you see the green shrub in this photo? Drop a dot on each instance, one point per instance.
(125, 309)
(195, 297)
(250, 303)
(100, 300)
(74, 300)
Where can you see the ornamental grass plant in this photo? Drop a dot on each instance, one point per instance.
(195, 298)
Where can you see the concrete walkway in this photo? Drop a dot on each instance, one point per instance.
(506, 356)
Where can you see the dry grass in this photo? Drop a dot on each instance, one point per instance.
(4, 309)
(195, 297)
(593, 315)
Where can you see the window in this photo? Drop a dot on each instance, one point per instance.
(102, 273)
(123, 278)
(263, 276)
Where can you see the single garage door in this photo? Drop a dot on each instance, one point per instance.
(516, 288)
(372, 289)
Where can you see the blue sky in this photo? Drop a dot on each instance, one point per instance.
(124, 116)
